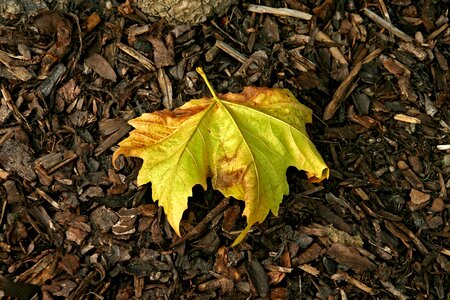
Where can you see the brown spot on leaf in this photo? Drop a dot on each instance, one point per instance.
(247, 94)
(228, 179)
(227, 176)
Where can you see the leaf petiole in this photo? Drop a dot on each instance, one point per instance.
(208, 84)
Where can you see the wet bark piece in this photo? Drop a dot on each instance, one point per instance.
(49, 83)
(257, 277)
(144, 268)
(126, 223)
(112, 139)
(41, 271)
(16, 157)
(19, 290)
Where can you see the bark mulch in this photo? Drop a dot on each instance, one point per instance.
(375, 73)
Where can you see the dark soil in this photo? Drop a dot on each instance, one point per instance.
(375, 73)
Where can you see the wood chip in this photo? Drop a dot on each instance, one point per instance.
(340, 93)
(148, 64)
(418, 197)
(257, 277)
(387, 25)
(350, 256)
(322, 37)
(309, 269)
(353, 281)
(438, 205)
(407, 119)
(231, 51)
(101, 66)
(280, 12)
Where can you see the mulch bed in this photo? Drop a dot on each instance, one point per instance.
(375, 74)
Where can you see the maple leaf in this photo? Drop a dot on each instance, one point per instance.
(243, 142)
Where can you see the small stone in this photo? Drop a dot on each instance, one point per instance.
(438, 205)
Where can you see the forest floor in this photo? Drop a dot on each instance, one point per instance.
(376, 75)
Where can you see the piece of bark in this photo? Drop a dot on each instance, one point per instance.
(387, 25)
(438, 205)
(162, 56)
(225, 285)
(14, 196)
(166, 88)
(270, 31)
(126, 224)
(101, 66)
(49, 83)
(51, 23)
(343, 88)
(231, 51)
(257, 277)
(77, 231)
(148, 64)
(16, 157)
(350, 256)
(342, 275)
(201, 226)
(310, 254)
(280, 12)
(103, 219)
(69, 263)
(91, 21)
(112, 139)
(19, 290)
(418, 197)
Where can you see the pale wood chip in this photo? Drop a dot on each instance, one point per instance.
(353, 281)
(406, 119)
(280, 12)
(310, 269)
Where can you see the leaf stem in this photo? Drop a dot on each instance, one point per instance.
(208, 84)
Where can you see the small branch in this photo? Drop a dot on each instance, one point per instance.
(200, 227)
(231, 51)
(388, 26)
(147, 63)
(280, 12)
(322, 37)
(341, 92)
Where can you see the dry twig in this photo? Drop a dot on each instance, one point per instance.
(388, 26)
(280, 12)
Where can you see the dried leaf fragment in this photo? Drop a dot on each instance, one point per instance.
(101, 66)
(243, 142)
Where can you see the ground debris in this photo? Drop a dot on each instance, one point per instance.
(375, 74)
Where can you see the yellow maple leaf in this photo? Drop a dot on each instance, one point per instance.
(243, 142)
